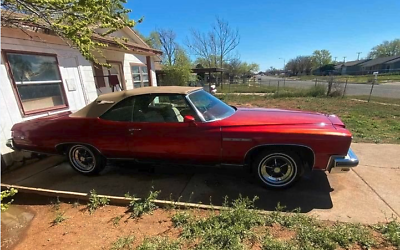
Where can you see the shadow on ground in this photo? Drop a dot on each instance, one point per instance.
(185, 183)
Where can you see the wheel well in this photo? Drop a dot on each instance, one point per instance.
(62, 148)
(304, 152)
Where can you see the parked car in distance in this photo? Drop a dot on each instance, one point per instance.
(186, 125)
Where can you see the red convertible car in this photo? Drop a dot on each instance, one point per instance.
(185, 125)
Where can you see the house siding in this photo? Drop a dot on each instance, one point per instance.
(72, 67)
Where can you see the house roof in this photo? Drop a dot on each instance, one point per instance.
(106, 101)
(354, 63)
(380, 60)
(393, 61)
(21, 18)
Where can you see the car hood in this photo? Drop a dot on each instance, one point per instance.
(263, 116)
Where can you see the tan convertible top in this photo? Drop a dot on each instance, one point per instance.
(106, 101)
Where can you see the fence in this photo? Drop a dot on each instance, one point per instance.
(363, 87)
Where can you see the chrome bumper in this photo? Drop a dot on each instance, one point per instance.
(10, 144)
(343, 164)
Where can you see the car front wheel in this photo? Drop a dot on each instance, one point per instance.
(277, 169)
(86, 160)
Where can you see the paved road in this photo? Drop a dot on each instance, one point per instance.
(389, 90)
(367, 194)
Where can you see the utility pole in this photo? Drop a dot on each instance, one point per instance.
(335, 58)
(344, 59)
(358, 55)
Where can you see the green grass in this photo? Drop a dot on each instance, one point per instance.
(368, 122)
(318, 90)
(352, 78)
(377, 99)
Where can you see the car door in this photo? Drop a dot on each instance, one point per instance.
(159, 132)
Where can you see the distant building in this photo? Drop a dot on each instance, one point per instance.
(352, 67)
(378, 65)
(393, 65)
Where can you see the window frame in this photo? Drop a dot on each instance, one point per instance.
(140, 65)
(24, 113)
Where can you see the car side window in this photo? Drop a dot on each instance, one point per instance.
(151, 108)
(121, 112)
(168, 108)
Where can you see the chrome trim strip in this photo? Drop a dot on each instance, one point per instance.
(236, 139)
(298, 145)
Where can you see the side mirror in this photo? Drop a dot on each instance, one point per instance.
(189, 119)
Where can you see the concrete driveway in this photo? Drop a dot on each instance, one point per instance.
(368, 194)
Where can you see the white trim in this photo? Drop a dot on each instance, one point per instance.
(38, 82)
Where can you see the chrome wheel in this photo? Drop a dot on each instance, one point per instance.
(277, 170)
(82, 158)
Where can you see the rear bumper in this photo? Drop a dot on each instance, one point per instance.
(342, 164)
(10, 144)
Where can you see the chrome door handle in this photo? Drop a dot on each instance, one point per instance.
(134, 129)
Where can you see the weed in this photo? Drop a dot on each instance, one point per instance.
(270, 243)
(75, 204)
(56, 204)
(226, 230)
(5, 194)
(312, 237)
(116, 220)
(348, 234)
(391, 232)
(289, 220)
(96, 202)
(59, 218)
(123, 243)
(159, 243)
(181, 218)
(139, 207)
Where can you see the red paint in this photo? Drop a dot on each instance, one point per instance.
(225, 141)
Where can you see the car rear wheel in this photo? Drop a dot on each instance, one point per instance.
(86, 160)
(277, 169)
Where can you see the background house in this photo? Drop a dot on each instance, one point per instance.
(379, 64)
(41, 75)
(393, 65)
(352, 67)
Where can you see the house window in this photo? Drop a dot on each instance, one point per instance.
(140, 76)
(37, 81)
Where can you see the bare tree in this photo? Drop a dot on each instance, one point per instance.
(227, 38)
(168, 45)
(215, 46)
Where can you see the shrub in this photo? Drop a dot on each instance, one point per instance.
(391, 231)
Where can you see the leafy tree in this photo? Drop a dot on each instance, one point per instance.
(321, 58)
(387, 48)
(77, 22)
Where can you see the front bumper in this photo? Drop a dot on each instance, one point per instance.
(343, 164)
(10, 144)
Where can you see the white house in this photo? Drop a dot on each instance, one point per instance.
(41, 75)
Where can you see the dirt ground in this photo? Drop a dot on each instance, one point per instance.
(82, 230)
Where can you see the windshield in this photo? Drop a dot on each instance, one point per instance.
(210, 107)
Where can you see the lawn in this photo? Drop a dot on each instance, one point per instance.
(369, 122)
(352, 79)
(239, 226)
